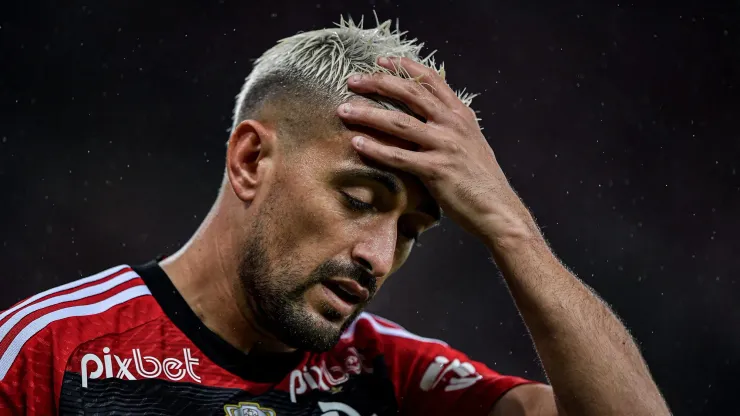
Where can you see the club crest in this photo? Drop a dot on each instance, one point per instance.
(248, 409)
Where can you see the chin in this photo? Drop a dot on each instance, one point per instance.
(306, 327)
(314, 322)
(320, 334)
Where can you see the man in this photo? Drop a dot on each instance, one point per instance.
(260, 313)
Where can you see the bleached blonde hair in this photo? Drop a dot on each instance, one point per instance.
(319, 62)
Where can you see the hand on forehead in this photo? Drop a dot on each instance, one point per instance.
(377, 134)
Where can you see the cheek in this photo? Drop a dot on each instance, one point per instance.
(308, 228)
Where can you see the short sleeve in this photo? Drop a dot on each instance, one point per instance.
(430, 377)
(442, 380)
(26, 385)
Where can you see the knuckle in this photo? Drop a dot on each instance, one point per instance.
(459, 125)
(454, 124)
(452, 146)
(461, 112)
(431, 74)
(397, 156)
(435, 172)
(401, 121)
(448, 164)
(414, 88)
(434, 104)
(380, 83)
(375, 76)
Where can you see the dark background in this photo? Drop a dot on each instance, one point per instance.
(615, 122)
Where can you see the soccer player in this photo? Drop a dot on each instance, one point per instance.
(329, 180)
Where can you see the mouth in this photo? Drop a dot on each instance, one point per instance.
(344, 296)
(349, 291)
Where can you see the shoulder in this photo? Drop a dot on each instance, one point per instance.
(428, 375)
(401, 349)
(406, 355)
(370, 331)
(51, 324)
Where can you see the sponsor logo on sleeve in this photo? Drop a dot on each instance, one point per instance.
(454, 375)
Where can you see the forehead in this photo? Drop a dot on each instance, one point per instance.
(340, 140)
(336, 155)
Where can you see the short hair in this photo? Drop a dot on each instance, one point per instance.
(308, 72)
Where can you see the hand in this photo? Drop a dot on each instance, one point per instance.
(452, 157)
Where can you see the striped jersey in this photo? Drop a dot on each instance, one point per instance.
(124, 342)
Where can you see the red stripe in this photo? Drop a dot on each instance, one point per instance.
(23, 323)
(64, 292)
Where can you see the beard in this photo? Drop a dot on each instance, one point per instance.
(275, 294)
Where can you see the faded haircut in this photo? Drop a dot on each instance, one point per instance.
(305, 76)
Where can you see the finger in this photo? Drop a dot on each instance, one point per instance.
(419, 100)
(395, 157)
(395, 123)
(424, 75)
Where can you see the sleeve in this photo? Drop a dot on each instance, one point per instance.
(442, 380)
(26, 371)
(430, 377)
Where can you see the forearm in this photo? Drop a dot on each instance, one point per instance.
(591, 360)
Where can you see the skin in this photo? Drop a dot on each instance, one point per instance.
(290, 211)
(269, 235)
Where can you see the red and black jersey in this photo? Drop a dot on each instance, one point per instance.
(124, 342)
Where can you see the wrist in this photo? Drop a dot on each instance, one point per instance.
(515, 240)
(511, 232)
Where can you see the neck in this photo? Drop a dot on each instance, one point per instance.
(205, 272)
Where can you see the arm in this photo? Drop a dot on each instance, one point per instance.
(527, 400)
(591, 360)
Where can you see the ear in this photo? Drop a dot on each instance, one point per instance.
(249, 158)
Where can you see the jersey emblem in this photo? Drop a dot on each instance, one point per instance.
(248, 409)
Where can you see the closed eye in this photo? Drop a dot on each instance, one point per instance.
(363, 207)
(357, 205)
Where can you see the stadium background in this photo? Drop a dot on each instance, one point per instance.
(615, 122)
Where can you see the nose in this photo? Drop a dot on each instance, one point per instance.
(376, 250)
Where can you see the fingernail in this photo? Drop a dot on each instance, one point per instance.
(355, 78)
(383, 60)
(345, 108)
(357, 141)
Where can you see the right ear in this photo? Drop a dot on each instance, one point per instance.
(249, 158)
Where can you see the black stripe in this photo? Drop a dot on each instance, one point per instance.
(367, 393)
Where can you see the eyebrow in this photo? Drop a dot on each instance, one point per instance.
(393, 185)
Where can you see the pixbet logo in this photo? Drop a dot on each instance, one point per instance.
(92, 366)
(322, 378)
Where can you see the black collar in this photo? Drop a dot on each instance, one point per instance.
(258, 367)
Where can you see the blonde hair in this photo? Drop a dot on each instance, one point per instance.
(321, 61)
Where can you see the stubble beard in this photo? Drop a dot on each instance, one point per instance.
(279, 306)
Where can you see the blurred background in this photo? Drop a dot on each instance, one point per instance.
(617, 123)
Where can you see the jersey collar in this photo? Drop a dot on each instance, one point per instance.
(259, 367)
